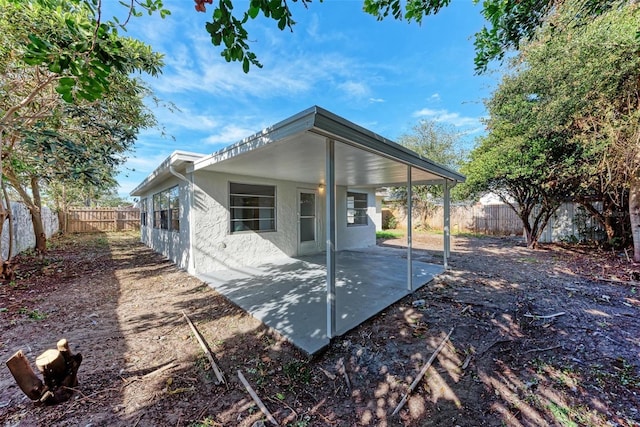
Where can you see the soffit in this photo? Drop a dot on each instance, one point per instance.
(301, 158)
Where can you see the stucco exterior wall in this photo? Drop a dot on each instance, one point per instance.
(355, 236)
(215, 248)
(23, 235)
(172, 244)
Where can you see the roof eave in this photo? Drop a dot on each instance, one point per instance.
(176, 160)
(348, 132)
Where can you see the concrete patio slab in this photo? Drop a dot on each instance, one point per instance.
(289, 294)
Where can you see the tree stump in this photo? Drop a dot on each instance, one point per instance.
(58, 367)
(53, 368)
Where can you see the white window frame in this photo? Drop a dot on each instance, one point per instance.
(357, 214)
(166, 209)
(244, 200)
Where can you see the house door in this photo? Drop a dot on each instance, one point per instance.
(307, 224)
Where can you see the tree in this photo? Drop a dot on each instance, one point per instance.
(577, 90)
(80, 145)
(435, 142)
(69, 106)
(533, 176)
(586, 80)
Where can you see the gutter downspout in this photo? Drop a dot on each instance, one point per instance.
(191, 266)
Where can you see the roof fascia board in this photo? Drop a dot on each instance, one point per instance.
(331, 125)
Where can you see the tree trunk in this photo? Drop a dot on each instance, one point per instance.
(634, 215)
(529, 233)
(36, 216)
(26, 379)
(10, 216)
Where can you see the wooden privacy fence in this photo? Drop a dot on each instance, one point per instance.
(485, 219)
(89, 220)
(568, 222)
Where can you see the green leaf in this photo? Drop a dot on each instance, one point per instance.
(253, 12)
(38, 44)
(245, 65)
(55, 67)
(67, 82)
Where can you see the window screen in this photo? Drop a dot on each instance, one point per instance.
(252, 207)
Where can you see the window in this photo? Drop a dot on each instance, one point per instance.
(143, 212)
(357, 209)
(166, 210)
(252, 207)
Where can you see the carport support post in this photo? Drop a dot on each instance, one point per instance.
(409, 231)
(447, 223)
(330, 177)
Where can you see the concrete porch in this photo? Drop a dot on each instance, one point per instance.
(289, 294)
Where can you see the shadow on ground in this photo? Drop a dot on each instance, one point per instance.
(504, 364)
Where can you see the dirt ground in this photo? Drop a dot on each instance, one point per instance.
(120, 305)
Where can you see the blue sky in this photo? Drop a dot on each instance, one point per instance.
(385, 76)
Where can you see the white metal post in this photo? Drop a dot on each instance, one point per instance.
(330, 177)
(409, 231)
(447, 224)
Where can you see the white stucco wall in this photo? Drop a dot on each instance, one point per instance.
(215, 248)
(355, 236)
(172, 244)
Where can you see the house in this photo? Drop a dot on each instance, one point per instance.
(303, 187)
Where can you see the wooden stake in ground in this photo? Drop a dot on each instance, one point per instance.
(256, 399)
(206, 350)
(422, 372)
(548, 316)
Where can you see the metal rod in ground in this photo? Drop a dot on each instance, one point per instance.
(422, 372)
(204, 346)
(256, 399)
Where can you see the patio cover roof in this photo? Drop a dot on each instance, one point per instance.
(295, 150)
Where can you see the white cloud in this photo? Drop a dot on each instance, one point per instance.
(229, 135)
(186, 118)
(445, 116)
(145, 162)
(376, 100)
(319, 34)
(354, 89)
(435, 97)
(195, 68)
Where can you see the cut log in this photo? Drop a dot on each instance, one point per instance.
(72, 363)
(59, 369)
(63, 347)
(24, 375)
